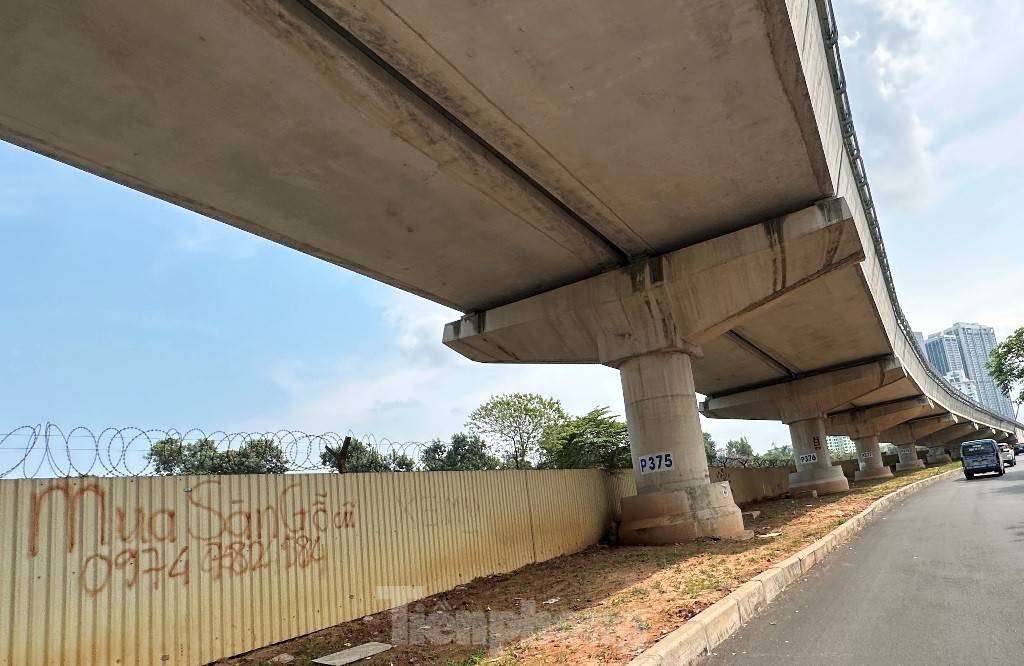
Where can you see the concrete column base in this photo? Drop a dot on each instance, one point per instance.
(825, 480)
(877, 473)
(869, 458)
(939, 459)
(681, 515)
(912, 465)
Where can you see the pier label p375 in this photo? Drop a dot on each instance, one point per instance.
(656, 462)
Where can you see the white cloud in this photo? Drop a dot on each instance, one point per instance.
(938, 118)
(924, 73)
(849, 41)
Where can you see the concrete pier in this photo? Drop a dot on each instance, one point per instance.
(869, 456)
(814, 469)
(908, 458)
(675, 499)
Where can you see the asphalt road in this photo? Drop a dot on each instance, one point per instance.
(935, 580)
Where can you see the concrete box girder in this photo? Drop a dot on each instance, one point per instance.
(942, 437)
(904, 389)
(791, 329)
(437, 146)
(977, 433)
(260, 116)
(584, 102)
(909, 433)
(675, 301)
(871, 421)
(806, 398)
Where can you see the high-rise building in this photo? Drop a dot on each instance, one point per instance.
(962, 350)
(964, 384)
(840, 445)
(943, 351)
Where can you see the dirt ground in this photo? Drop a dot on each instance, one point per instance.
(604, 605)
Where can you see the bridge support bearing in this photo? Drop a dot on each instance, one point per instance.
(937, 455)
(675, 499)
(869, 456)
(814, 469)
(908, 458)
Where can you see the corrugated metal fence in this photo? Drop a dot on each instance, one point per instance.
(188, 569)
(185, 570)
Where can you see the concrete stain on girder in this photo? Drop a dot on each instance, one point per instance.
(646, 272)
(835, 238)
(773, 231)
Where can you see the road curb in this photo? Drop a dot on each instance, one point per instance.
(706, 630)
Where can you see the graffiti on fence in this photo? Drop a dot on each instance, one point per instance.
(205, 534)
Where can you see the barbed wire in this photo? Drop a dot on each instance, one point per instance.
(37, 451)
(48, 451)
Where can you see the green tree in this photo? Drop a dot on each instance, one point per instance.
(257, 456)
(779, 453)
(399, 462)
(463, 452)
(595, 440)
(362, 458)
(517, 424)
(1006, 365)
(739, 447)
(710, 448)
(171, 456)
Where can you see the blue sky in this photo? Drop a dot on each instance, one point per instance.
(122, 310)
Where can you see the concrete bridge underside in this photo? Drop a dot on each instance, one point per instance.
(663, 188)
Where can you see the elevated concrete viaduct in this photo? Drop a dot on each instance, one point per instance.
(670, 189)
(939, 442)
(865, 425)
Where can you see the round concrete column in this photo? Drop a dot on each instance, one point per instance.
(908, 458)
(814, 470)
(675, 500)
(869, 456)
(937, 455)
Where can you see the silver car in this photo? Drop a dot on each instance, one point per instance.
(1009, 455)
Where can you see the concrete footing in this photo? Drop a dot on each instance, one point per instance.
(681, 515)
(938, 456)
(824, 480)
(878, 473)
